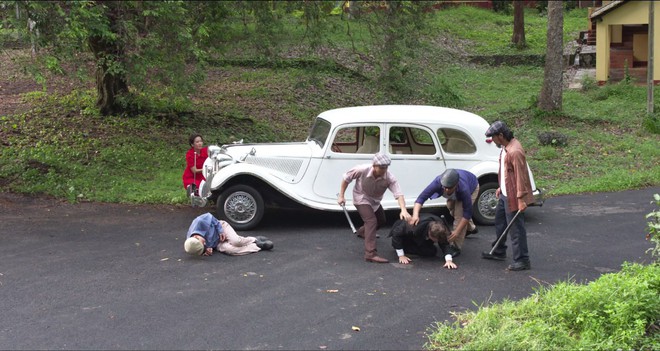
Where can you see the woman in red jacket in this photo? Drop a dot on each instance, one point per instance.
(195, 158)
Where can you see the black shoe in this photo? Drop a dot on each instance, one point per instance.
(265, 245)
(362, 236)
(261, 238)
(487, 255)
(470, 232)
(519, 266)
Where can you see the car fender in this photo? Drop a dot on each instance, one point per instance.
(485, 168)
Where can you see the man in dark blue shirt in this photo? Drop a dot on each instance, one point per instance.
(461, 188)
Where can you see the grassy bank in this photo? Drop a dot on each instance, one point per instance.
(613, 312)
(59, 145)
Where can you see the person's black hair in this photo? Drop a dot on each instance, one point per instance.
(192, 138)
(438, 231)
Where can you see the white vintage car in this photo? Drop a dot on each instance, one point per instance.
(245, 180)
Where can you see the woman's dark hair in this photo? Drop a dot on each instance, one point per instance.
(192, 138)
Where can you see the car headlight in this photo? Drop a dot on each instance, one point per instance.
(214, 151)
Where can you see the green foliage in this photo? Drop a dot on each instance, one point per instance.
(613, 312)
(441, 93)
(652, 123)
(138, 43)
(627, 79)
(163, 103)
(72, 158)
(609, 149)
(491, 33)
(653, 225)
(395, 33)
(503, 6)
(274, 99)
(547, 153)
(589, 83)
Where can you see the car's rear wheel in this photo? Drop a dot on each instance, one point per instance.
(241, 206)
(483, 211)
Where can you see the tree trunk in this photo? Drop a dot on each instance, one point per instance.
(110, 83)
(108, 87)
(518, 38)
(550, 98)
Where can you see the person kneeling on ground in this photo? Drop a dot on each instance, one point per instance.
(460, 188)
(420, 239)
(207, 233)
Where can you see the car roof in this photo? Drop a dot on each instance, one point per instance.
(405, 113)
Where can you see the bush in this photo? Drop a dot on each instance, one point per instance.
(652, 124)
(553, 139)
(617, 311)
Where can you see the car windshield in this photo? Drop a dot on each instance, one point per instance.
(319, 132)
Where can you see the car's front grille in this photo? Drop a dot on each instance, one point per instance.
(288, 166)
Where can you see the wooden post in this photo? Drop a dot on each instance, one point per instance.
(649, 66)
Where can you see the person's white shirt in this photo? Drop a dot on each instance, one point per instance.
(503, 172)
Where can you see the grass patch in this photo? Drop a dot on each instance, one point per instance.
(616, 311)
(489, 33)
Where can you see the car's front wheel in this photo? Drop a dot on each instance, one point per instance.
(483, 211)
(241, 206)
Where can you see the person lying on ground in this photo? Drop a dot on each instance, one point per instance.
(207, 233)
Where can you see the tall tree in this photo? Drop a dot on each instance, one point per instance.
(550, 97)
(133, 45)
(395, 29)
(518, 38)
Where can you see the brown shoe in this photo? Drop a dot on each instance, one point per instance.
(376, 259)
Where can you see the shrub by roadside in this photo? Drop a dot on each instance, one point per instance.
(617, 311)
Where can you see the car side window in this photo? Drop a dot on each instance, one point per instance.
(345, 140)
(369, 140)
(360, 139)
(456, 141)
(411, 141)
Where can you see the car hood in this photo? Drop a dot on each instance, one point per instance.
(270, 150)
(271, 162)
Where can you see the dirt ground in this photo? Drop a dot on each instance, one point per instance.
(15, 80)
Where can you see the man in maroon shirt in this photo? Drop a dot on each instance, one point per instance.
(515, 195)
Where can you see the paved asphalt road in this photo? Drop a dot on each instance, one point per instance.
(107, 276)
